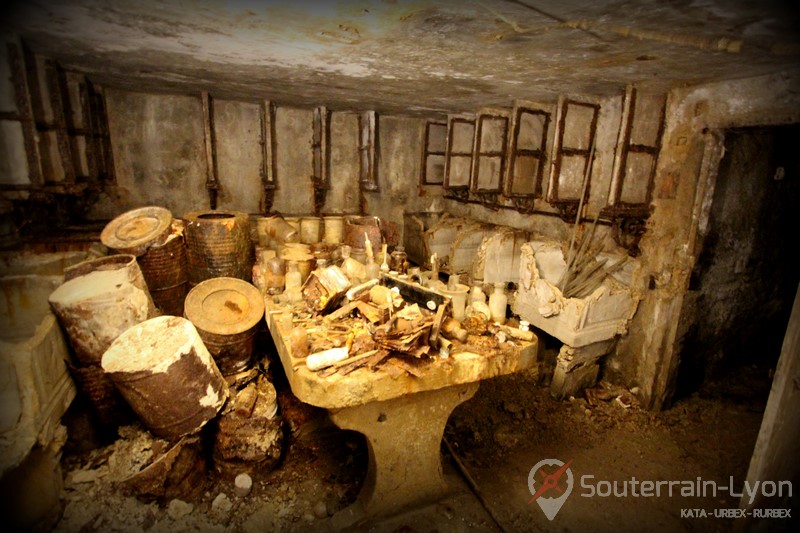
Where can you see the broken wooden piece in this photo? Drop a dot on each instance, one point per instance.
(373, 313)
(342, 312)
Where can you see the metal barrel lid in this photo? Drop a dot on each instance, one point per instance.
(224, 306)
(133, 232)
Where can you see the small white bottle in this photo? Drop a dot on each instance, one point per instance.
(498, 302)
(477, 295)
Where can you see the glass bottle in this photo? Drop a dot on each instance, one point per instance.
(399, 260)
(352, 268)
(433, 278)
(275, 275)
(373, 271)
(294, 282)
(498, 302)
(385, 265)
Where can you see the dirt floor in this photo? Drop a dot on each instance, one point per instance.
(498, 436)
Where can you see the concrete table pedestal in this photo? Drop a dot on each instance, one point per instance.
(404, 436)
(403, 417)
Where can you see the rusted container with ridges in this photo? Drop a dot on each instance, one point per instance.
(165, 271)
(109, 406)
(227, 313)
(218, 245)
(100, 299)
(166, 374)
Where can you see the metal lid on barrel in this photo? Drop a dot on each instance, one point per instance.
(225, 312)
(225, 306)
(135, 231)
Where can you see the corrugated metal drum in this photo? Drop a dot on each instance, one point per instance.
(165, 271)
(226, 313)
(135, 231)
(218, 245)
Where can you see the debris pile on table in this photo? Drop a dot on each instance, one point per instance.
(392, 322)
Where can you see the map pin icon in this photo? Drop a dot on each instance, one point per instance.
(549, 505)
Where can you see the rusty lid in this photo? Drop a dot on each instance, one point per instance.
(224, 306)
(135, 231)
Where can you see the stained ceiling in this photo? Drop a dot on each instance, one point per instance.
(409, 56)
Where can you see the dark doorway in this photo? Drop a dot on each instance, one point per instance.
(743, 284)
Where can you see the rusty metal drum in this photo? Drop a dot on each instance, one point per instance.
(165, 271)
(358, 229)
(107, 403)
(135, 231)
(226, 313)
(166, 374)
(218, 245)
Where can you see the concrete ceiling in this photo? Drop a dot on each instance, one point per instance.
(410, 56)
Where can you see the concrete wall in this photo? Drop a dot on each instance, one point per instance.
(239, 155)
(159, 155)
(343, 198)
(401, 156)
(684, 189)
(400, 142)
(294, 129)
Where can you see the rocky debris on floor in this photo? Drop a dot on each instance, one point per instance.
(249, 436)
(320, 475)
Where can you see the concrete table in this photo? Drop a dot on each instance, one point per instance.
(403, 418)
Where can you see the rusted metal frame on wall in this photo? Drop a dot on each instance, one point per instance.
(460, 189)
(60, 104)
(22, 98)
(269, 174)
(105, 154)
(629, 218)
(525, 201)
(568, 207)
(489, 194)
(428, 152)
(89, 131)
(321, 149)
(53, 74)
(618, 207)
(368, 150)
(212, 184)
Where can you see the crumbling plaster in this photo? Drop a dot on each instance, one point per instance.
(683, 190)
